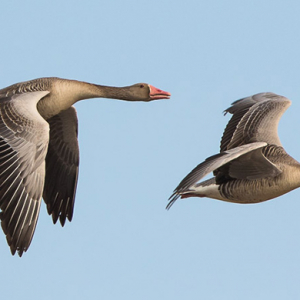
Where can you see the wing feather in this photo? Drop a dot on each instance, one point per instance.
(62, 163)
(209, 165)
(255, 119)
(24, 138)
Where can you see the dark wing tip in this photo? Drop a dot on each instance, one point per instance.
(61, 214)
(62, 220)
(20, 252)
(54, 215)
(63, 217)
(172, 200)
(13, 248)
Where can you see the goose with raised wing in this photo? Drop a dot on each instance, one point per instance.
(252, 165)
(39, 154)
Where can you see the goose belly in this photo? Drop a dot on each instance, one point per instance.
(243, 191)
(254, 191)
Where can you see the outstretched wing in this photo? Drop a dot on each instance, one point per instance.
(62, 166)
(255, 119)
(24, 138)
(216, 161)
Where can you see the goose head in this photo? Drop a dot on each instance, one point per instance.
(146, 92)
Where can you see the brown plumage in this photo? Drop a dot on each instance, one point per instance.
(252, 165)
(39, 154)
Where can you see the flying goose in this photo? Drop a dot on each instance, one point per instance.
(39, 154)
(252, 165)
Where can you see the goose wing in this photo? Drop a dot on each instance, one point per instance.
(246, 161)
(252, 165)
(62, 163)
(255, 119)
(24, 136)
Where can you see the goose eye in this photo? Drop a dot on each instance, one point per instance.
(141, 86)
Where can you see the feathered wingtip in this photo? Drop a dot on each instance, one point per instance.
(246, 102)
(172, 199)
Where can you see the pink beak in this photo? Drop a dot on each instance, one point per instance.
(158, 94)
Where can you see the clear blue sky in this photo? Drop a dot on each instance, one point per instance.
(122, 243)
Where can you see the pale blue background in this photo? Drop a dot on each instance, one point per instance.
(122, 243)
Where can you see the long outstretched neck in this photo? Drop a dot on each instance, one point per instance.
(84, 90)
(65, 93)
(112, 92)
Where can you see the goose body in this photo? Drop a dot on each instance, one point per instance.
(39, 153)
(252, 165)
